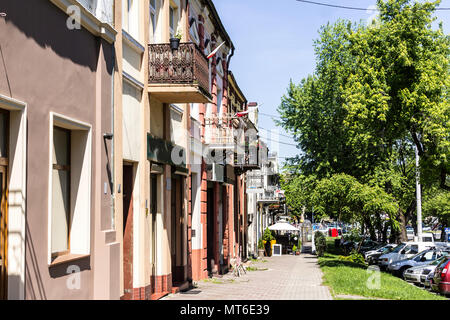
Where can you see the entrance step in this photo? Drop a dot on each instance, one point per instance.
(177, 287)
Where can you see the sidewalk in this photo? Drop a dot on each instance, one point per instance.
(285, 277)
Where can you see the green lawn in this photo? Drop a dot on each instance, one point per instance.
(348, 278)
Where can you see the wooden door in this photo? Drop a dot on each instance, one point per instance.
(128, 231)
(154, 213)
(174, 227)
(3, 235)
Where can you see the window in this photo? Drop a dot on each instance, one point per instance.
(4, 120)
(69, 193)
(153, 20)
(219, 66)
(414, 249)
(219, 102)
(193, 31)
(172, 25)
(130, 17)
(61, 192)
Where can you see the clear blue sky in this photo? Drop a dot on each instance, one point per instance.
(274, 43)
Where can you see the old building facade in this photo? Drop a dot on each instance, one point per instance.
(123, 153)
(56, 111)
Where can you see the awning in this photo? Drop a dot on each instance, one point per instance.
(283, 226)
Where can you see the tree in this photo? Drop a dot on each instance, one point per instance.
(343, 198)
(377, 93)
(297, 190)
(313, 110)
(399, 86)
(437, 205)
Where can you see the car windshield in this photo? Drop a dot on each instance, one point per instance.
(418, 256)
(385, 249)
(437, 261)
(398, 248)
(443, 262)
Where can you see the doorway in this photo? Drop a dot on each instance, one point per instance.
(3, 236)
(210, 229)
(177, 243)
(128, 182)
(4, 129)
(154, 213)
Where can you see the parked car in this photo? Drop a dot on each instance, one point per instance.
(403, 251)
(372, 256)
(441, 279)
(428, 271)
(368, 245)
(410, 233)
(399, 267)
(428, 280)
(425, 257)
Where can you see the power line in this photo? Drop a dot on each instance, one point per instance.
(286, 143)
(269, 115)
(284, 135)
(346, 7)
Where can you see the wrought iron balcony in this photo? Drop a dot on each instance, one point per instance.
(248, 157)
(178, 76)
(268, 197)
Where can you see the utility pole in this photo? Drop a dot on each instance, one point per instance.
(418, 198)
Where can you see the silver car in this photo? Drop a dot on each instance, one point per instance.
(428, 271)
(425, 257)
(415, 274)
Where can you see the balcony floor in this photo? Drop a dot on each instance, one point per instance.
(179, 93)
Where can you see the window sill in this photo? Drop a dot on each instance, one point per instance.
(68, 258)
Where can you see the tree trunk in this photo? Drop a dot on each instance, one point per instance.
(384, 233)
(444, 225)
(370, 227)
(402, 221)
(395, 234)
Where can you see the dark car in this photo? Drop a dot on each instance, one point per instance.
(373, 255)
(368, 245)
(441, 279)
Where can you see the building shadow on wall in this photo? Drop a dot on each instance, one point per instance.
(46, 24)
(35, 289)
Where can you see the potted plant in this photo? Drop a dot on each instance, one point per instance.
(268, 238)
(299, 248)
(175, 40)
(261, 248)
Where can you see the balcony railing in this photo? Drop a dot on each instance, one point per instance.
(268, 197)
(185, 66)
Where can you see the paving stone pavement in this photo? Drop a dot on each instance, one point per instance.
(287, 277)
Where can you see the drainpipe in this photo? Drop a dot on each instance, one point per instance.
(229, 58)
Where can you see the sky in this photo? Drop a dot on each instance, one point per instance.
(274, 44)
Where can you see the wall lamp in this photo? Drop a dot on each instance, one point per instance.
(108, 136)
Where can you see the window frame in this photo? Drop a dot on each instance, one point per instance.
(65, 168)
(153, 21)
(172, 24)
(80, 202)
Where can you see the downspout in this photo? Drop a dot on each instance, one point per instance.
(229, 59)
